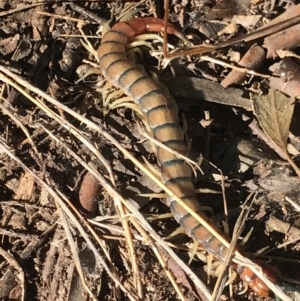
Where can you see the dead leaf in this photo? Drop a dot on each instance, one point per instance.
(274, 113)
(286, 77)
(246, 21)
(25, 188)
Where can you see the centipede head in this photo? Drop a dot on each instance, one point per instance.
(256, 283)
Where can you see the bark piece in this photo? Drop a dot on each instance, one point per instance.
(285, 39)
(251, 60)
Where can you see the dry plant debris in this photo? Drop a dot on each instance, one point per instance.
(78, 183)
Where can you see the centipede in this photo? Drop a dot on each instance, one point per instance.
(161, 112)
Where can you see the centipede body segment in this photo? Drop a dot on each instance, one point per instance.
(162, 115)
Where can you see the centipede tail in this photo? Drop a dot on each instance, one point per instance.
(162, 116)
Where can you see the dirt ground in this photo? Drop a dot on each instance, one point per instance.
(83, 212)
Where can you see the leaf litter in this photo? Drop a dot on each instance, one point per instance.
(55, 146)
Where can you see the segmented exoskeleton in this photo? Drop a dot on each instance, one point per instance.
(162, 116)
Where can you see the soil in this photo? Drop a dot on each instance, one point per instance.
(80, 220)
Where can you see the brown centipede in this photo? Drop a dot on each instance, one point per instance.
(162, 116)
